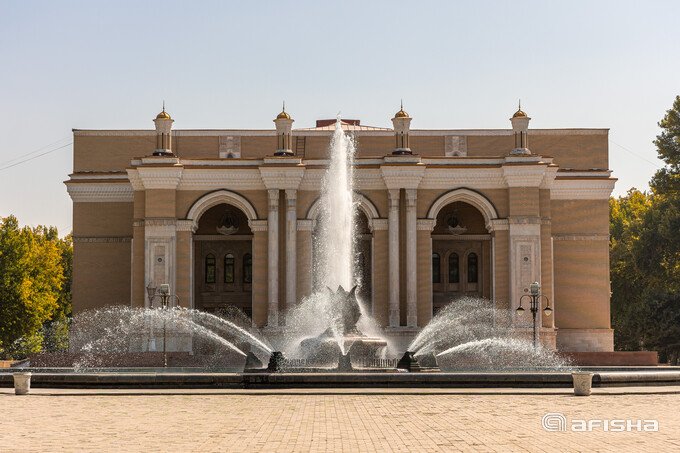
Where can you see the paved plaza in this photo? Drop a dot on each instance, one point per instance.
(414, 420)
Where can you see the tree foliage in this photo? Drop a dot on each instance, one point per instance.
(35, 270)
(645, 253)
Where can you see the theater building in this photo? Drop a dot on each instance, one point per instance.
(227, 217)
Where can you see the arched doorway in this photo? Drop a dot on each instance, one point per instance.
(223, 260)
(461, 254)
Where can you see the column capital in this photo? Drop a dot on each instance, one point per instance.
(273, 197)
(291, 194)
(411, 197)
(393, 196)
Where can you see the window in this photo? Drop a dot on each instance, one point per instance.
(210, 268)
(454, 273)
(247, 268)
(472, 268)
(228, 268)
(436, 268)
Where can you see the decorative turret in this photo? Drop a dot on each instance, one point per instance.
(284, 133)
(163, 137)
(402, 124)
(520, 127)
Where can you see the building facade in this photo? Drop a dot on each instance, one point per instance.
(228, 217)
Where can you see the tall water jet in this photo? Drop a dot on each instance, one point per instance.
(336, 234)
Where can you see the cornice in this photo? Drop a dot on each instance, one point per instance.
(97, 192)
(582, 189)
(281, 177)
(402, 176)
(531, 175)
(160, 177)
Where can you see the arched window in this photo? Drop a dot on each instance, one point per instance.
(210, 268)
(454, 273)
(436, 268)
(247, 268)
(472, 268)
(228, 268)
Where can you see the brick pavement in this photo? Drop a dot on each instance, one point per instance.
(280, 421)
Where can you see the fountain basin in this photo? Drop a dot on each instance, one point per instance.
(341, 380)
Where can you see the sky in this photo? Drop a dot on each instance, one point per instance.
(222, 65)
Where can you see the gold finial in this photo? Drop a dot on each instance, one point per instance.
(163, 115)
(519, 113)
(401, 113)
(283, 115)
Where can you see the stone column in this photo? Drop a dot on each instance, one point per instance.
(273, 261)
(393, 219)
(291, 248)
(411, 259)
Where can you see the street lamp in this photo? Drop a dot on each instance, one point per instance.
(163, 292)
(535, 304)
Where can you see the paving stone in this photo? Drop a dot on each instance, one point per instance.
(485, 420)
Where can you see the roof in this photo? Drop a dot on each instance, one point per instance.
(346, 126)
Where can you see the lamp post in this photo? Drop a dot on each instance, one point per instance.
(535, 304)
(163, 292)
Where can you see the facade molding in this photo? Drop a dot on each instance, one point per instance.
(580, 237)
(385, 132)
(425, 224)
(531, 175)
(402, 176)
(281, 177)
(215, 178)
(99, 192)
(258, 225)
(166, 177)
(101, 239)
(582, 189)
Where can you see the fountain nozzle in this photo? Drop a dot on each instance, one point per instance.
(276, 362)
(409, 362)
(344, 362)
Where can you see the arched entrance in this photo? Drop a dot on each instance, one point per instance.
(461, 254)
(223, 260)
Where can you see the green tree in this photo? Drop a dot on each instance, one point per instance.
(645, 253)
(667, 180)
(31, 279)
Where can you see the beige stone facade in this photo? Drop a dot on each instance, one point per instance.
(227, 217)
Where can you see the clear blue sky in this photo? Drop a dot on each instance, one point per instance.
(109, 65)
